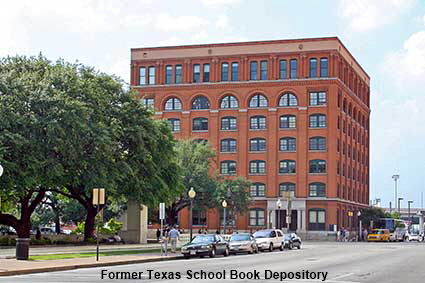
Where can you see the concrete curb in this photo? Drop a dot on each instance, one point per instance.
(89, 265)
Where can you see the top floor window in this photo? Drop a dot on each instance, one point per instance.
(229, 101)
(235, 71)
(294, 69)
(142, 75)
(313, 68)
(168, 74)
(263, 70)
(258, 100)
(317, 98)
(201, 102)
(253, 70)
(288, 100)
(224, 72)
(206, 76)
(173, 104)
(283, 73)
(196, 73)
(323, 67)
(151, 75)
(178, 74)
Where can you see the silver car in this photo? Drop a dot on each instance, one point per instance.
(269, 239)
(242, 243)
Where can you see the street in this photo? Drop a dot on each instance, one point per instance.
(344, 262)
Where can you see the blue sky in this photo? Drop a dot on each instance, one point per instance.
(387, 37)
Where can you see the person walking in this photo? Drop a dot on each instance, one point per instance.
(173, 235)
(158, 234)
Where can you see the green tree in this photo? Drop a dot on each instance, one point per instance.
(371, 213)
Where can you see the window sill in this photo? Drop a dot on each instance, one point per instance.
(287, 129)
(287, 174)
(318, 106)
(257, 130)
(200, 131)
(316, 128)
(288, 151)
(259, 151)
(257, 174)
(235, 130)
(318, 150)
(227, 174)
(227, 152)
(318, 174)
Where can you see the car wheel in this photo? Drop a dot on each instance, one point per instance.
(226, 252)
(186, 256)
(299, 246)
(291, 246)
(212, 252)
(282, 245)
(251, 251)
(271, 247)
(256, 249)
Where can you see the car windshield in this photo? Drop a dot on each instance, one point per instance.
(378, 232)
(239, 238)
(262, 234)
(203, 239)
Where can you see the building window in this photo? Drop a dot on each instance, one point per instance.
(339, 99)
(286, 187)
(288, 144)
(200, 124)
(283, 73)
(178, 74)
(288, 100)
(263, 70)
(229, 101)
(293, 71)
(174, 124)
(318, 121)
(224, 72)
(196, 73)
(257, 123)
(151, 75)
(235, 71)
(338, 145)
(317, 166)
(199, 216)
(317, 143)
(344, 105)
(313, 68)
(323, 67)
(257, 190)
(317, 190)
(257, 144)
(149, 102)
(142, 76)
(258, 100)
(206, 74)
(201, 102)
(317, 219)
(228, 167)
(228, 123)
(253, 71)
(228, 145)
(288, 122)
(168, 74)
(287, 167)
(256, 217)
(173, 104)
(257, 167)
(317, 98)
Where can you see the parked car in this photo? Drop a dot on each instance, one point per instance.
(47, 231)
(206, 244)
(413, 236)
(269, 239)
(291, 240)
(379, 235)
(6, 230)
(242, 243)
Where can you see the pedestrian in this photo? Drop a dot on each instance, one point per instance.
(173, 235)
(364, 234)
(158, 234)
(217, 232)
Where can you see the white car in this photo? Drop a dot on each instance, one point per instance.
(413, 236)
(269, 239)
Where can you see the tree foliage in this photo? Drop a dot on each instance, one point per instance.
(371, 213)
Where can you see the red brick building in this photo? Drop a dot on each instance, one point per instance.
(289, 115)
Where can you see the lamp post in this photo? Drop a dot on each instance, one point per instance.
(395, 178)
(408, 209)
(279, 205)
(191, 195)
(224, 204)
(360, 224)
(399, 199)
(98, 200)
(1, 173)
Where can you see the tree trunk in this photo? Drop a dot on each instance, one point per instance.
(90, 222)
(171, 216)
(57, 223)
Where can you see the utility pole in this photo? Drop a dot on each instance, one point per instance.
(395, 178)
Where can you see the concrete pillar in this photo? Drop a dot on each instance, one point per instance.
(272, 220)
(421, 222)
(135, 224)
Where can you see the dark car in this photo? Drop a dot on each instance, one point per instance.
(206, 245)
(5, 230)
(291, 240)
(243, 243)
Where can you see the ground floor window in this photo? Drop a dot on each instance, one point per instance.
(256, 217)
(199, 216)
(317, 219)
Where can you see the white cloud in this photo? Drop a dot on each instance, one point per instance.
(168, 22)
(222, 21)
(219, 3)
(366, 15)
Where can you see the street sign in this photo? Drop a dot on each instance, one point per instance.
(162, 211)
(98, 196)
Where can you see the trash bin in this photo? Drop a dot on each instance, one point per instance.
(22, 248)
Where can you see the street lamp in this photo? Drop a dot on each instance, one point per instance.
(191, 195)
(395, 178)
(399, 199)
(408, 209)
(360, 224)
(224, 204)
(279, 205)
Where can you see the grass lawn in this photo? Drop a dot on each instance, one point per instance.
(91, 254)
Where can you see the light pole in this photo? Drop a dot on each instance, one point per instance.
(360, 225)
(399, 199)
(395, 178)
(191, 195)
(224, 204)
(279, 205)
(1, 173)
(98, 200)
(408, 209)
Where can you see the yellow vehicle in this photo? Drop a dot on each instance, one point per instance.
(379, 235)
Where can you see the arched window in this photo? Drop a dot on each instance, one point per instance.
(257, 144)
(201, 102)
(173, 104)
(257, 190)
(228, 123)
(256, 217)
(317, 143)
(288, 100)
(228, 145)
(258, 100)
(286, 187)
(228, 167)
(200, 124)
(288, 144)
(174, 124)
(317, 219)
(287, 167)
(355, 114)
(349, 109)
(317, 166)
(317, 190)
(317, 121)
(257, 123)
(257, 167)
(344, 105)
(229, 101)
(288, 122)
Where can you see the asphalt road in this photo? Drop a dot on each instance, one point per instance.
(343, 262)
